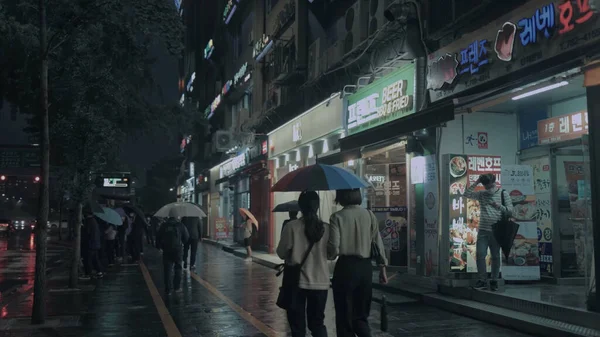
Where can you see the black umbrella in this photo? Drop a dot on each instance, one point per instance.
(505, 233)
(290, 206)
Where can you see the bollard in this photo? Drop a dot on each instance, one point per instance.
(384, 318)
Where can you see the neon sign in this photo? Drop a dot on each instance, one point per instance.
(226, 88)
(240, 74)
(190, 84)
(208, 50)
(541, 21)
(473, 57)
(566, 13)
(215, 104)
(262, 47)
(230, 8)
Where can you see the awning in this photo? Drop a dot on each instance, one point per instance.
(434, 115)
(339, 157)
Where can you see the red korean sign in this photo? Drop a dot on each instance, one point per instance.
(562, 128)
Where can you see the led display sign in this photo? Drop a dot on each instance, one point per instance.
(208, 50)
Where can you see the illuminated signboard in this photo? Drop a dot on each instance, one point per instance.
(226, 88)
(182, 99)
(233, 165)
(115, 182)
(229, 10)
(208, 50)
(531, 34)
(185, 142)
(214, 105)
(240, 74)
(190, 84)
(262, 47)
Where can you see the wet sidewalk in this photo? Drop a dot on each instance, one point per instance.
(117, 305)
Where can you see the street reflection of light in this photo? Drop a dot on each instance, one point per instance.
(4, 312)
(32, 242)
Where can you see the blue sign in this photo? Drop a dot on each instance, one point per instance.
(528, 121)
(473, 57)
(541, 21)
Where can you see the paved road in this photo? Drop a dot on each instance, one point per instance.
(226, 297)
(17, 261)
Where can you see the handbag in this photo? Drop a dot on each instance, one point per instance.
(288, 292)
(505, 230)
(375, 253)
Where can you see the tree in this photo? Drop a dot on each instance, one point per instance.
(95, 53)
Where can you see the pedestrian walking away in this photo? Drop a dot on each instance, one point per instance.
(354, 234)
(171, 237)
(303, 246)
(92, 245)
(193, 226)
(110, 236)
(491, 210)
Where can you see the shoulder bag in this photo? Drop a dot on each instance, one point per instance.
(288, 292)
(375, 253)
(505, 230)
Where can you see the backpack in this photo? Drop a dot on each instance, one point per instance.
(171, 240)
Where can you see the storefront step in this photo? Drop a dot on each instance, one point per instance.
(393, 300)
(405, 285)
(518, 320)
(553, 311)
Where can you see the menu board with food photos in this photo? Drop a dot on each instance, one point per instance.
(463, 171)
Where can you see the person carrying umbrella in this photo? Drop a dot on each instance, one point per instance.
(293, 216)
(492, 209)
(92, 244)
(192, 224)
(247, 221)
(170, 239)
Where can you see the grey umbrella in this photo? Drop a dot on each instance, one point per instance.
(290, 206)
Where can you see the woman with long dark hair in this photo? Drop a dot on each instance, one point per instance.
(305, 240)
(354, 234)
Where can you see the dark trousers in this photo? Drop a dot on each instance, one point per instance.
(192, 245)
(110, 251)
(172, 270)
(91, 261)
(149, 235)
(309, 307)
(135, 246)
(122, 249)
(352, 294)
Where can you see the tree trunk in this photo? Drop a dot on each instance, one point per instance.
(38, 313)
(74, 275)
(60, 214)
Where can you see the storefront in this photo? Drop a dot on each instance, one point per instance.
(299, 143)
(522, 114)
(385, 131)
(241, 182)
(203, 200)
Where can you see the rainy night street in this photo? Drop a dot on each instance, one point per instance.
(226, 296)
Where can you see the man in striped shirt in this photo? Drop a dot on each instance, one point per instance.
(491, 210)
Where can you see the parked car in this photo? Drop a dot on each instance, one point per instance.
(6, 227)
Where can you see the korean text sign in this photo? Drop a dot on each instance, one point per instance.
(387, 99)
(561, 128)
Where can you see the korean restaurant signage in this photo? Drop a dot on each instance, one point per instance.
(233, 165)
(320, 121)
(215, 104)
(532, 33)
(208, 50)
(262, 47)
(463, 171)
(562, 128)
(226, 88)
(230, 8)
(240, 77)
(385, 100)
(190, 84)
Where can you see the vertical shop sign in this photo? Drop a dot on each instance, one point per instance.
(221, 228)
(523, 261)
(430, 194)
(464, 213)
(543, 214)
(562, 128)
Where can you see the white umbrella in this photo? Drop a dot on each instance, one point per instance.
(180, 209)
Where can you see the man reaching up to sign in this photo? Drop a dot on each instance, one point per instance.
(491, 211)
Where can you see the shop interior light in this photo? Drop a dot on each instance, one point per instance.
(351, 162)
(540, 90)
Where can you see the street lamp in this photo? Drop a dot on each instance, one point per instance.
(2, 177)
(171, 189)
(37, 179)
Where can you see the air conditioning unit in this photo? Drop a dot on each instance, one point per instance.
(223, 141)
(376, 18)
(314, 59)
(356, 23)
(335, 54)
